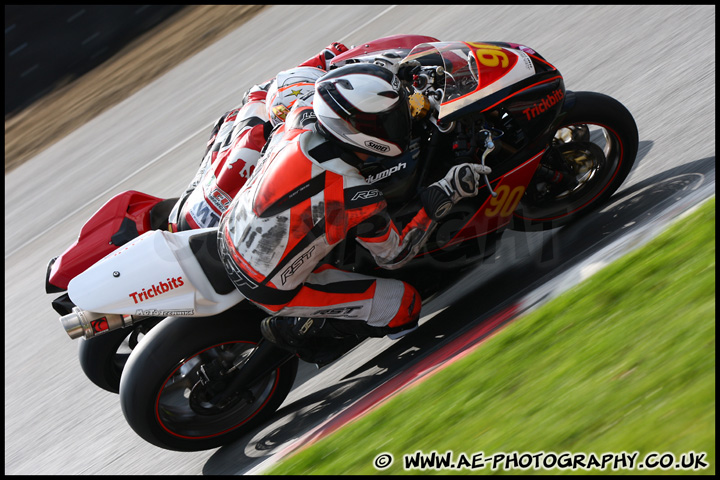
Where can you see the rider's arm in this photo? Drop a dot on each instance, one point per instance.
(174, 217)
(251, 112)
(391, 247)
(214, 132)
(205, 163)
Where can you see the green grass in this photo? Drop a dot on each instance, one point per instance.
(623, 362)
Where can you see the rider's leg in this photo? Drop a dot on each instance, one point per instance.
(338, 304)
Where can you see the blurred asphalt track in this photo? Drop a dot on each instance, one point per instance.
(658, 60)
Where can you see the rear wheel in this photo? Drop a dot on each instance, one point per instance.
(170, 385)
(103, 358)
(591, 154)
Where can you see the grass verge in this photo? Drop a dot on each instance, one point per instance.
(624, 362)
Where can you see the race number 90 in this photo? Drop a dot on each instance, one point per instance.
(490, 55)
(506, 201)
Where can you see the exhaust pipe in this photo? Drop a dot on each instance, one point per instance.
(81, 323)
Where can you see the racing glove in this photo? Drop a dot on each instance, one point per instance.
(333, 50)
(461, 181)
(328, 53)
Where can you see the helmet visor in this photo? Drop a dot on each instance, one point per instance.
(384, 133)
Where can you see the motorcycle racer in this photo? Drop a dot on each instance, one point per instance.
(237, 138)
(308, 194)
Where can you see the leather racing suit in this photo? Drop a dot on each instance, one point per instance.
(231, 155)
(304, 198)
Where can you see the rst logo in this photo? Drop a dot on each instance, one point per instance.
(296, 265)
(545, 105)
(378, 147)
(338, 311)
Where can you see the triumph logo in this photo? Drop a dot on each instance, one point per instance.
(545, 105)
(378, 147)
(386, 173)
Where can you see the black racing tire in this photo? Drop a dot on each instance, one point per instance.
(101, 360)
(597, 139)
(156, 384)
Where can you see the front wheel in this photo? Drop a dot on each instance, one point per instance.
(592, 152)
(168, 385)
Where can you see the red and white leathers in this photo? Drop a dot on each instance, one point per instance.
(302, 201)
(231, 155)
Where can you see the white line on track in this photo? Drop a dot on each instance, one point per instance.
(105, 192)
(342, 39)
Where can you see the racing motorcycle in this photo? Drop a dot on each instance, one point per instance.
(199, 375)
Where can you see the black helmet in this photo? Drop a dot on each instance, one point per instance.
(364, 106)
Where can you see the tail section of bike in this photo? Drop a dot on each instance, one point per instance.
(122, 218)
(157, 274)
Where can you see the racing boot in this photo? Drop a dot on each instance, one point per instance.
(322, 340)
(290, 333)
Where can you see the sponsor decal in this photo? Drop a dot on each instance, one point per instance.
(365, 194)
(338, 311)
(280, 111)
(378, 147)
(306, 326)
(290, 271)
(547, 102)
(528, 63)
(247, 166)
(156, 290)
(386, 173)
(443, 209)
(219, 199)
(307, 116)
(203, 215)
(99, 325)
(300, 189)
